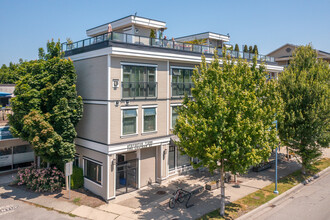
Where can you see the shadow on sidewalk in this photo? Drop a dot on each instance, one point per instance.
(17, 193)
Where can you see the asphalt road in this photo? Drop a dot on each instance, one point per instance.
(11, 209)
(312, 202)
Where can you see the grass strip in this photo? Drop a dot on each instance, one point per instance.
(248, 203)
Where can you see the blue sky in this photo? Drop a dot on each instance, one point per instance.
(27, 25)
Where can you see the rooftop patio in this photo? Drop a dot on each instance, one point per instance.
(71, 48)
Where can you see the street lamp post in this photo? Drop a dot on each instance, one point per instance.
(275, 191)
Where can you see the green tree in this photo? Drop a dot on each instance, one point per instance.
(250, 49)
(10, 74)
(227, 124)
(245, 50)
(197, 41)
(255, 49)
(304, 87)
(46, 106)
(236, 48)
(152, 33)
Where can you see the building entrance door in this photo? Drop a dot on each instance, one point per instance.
(126, 175)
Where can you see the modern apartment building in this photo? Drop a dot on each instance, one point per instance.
(131, 86)
(14, 152)
(283, 54)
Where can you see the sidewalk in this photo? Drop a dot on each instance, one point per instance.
(151, 202)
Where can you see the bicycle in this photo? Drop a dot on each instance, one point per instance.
(178, 197)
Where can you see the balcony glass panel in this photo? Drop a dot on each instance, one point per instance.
(135, 39)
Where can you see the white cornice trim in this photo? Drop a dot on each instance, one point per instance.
(124, 147)
(118, 51)
(95, 102)
(92, 145)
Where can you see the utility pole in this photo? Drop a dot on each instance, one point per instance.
(276, 191)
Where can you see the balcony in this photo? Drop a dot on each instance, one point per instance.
(157, 43)
(180, 89)
(139, 90)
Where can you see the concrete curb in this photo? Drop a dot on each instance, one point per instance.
(262, 208)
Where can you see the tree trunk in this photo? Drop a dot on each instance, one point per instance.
(222, 180)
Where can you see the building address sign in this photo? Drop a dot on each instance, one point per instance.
(139, 145)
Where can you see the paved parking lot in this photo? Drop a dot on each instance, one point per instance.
(11, 209)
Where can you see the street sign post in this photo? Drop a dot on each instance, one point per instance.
(68, 173)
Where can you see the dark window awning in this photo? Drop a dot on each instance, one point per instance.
(174, 139)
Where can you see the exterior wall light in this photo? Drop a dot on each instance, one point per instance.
(115, 83)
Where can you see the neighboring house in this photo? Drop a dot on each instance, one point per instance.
(14, 152)
(131, 86)
(283, 54)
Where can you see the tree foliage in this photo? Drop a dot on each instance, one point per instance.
(250, 49)
(236, 48)
(46, 106)
(10, 74)
(152, 33)
(245, 50)
(304, 87)
(228, 122)
(197, 41)
(255, 49)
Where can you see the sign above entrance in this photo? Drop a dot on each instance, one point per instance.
(139, 145)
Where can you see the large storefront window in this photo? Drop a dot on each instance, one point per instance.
(149, 119)
(139, 81)
(176, 159)
(183, 160)
(92, 171)
(181, 81)
(23, 155)
(6, 158)
(171, 158)
(129, 121)
(15, 157)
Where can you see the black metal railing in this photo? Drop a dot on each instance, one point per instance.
(139, 89)
(163, 43)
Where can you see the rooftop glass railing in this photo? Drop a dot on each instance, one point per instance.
(163, 43)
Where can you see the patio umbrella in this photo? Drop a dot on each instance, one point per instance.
(2, 94)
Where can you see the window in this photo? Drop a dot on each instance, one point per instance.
(176, 159)
(183, 159)
(175, 115)
(181, 81)
(22, 149)
(76, 160)
(171, 158)
(149, 119)
(139, 81)
(92, 171)
(129, 121)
